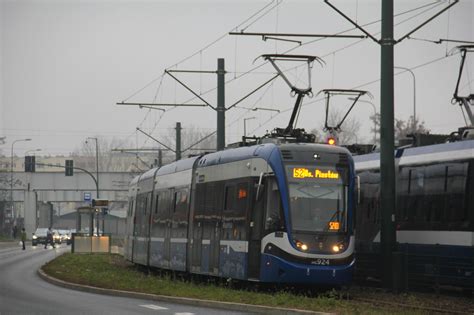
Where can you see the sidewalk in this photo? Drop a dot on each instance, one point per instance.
(10, 244)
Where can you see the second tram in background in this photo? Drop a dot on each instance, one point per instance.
(278, 213)
(434, 218)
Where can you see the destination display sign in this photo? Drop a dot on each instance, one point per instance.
(304, 172)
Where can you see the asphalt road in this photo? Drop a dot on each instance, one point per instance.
(23, 292)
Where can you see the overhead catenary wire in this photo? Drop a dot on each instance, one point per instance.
(265, 9)
(236, 27)
(429, 7)
(447, 31)
(355, 87)
(252, 70)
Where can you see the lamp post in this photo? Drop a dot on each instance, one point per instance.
(414, 95)
(245, 126)
(96, 162)
(97, 178)
(11, 179)
(34, 150)
(375, 115)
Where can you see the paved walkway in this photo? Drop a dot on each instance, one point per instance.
(10, 244)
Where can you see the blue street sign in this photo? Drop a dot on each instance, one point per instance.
(87, 196)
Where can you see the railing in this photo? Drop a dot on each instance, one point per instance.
(420, 271)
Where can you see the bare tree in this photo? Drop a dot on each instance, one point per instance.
(85, 156)
(194, 140)
(402, 128)
(349, 129)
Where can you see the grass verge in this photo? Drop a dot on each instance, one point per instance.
(113, 272)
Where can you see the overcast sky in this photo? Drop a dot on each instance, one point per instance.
(64, 65)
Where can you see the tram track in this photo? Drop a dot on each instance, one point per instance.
(430, 310)
(411, 301)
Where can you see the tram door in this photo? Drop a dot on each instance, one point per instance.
(159, 255)
(215, 224)
(256, 234)
(167, 228)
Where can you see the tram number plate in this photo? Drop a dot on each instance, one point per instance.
(320, 262)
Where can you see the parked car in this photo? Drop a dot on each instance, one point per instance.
(39, 236)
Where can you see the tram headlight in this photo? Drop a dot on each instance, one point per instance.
(337, 248)
(301, 245)
(34, 237)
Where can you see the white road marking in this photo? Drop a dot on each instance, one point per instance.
(184, 314)
(154, 307)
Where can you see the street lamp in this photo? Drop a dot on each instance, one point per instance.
(96, 161)
(414, 95)
(375, 115)
(11, 179)
(34, 150)
(245, 126)
(97, 177)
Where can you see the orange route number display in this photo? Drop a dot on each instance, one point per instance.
(303, 172)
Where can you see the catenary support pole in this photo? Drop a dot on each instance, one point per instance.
(178, 141)
(220, 104)
(387, 160)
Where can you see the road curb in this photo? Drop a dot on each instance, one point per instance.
(181, 300)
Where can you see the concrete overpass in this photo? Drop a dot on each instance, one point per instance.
(63, 193)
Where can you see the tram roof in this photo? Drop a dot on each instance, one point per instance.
(456, 148)
(263, 151)
(177, 166)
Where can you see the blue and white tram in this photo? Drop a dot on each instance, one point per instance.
(435, 209)
(280, 213)
(129, 235)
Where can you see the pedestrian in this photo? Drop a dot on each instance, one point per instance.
(14, 230)
(23, 237)
(49, 238)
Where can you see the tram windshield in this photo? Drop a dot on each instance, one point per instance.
(318, 199)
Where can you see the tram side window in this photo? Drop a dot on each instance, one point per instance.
(140, 214)
(163, 204)
(235, 211)
(434, 196)
(130, 207)
(434, 192)
(148, 203)
(370, 198)
(181, 201)
(140, 204)
(456, 188)
(180, 206)
(273, 214)
(208, 206)
(403, 188)
(200, 201)
(157, 200)
(416, 185)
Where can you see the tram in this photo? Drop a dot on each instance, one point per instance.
(434, 214)
(273, 212)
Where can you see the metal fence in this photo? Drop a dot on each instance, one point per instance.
(419, 271)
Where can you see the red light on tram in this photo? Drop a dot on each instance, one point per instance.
(331, 141)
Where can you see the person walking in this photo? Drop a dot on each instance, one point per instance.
(49, 238)
(23, 237)
(14, 231)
